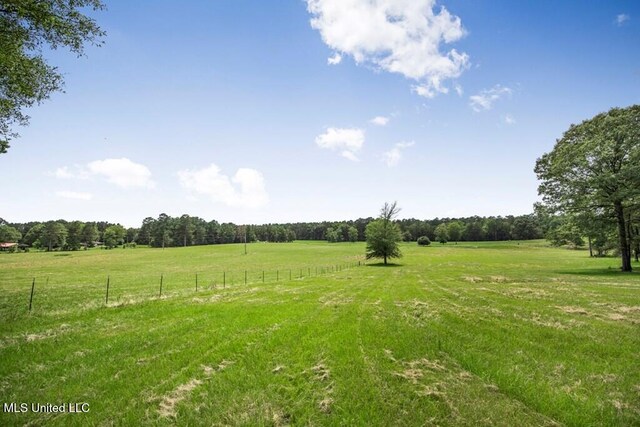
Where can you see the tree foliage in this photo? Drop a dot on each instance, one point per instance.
(454, 229)
(424, 241)
(26, 27)
(114, 236)
(53, 235)
(90, 234)
(172, 230)
(9, 234)
(74, 235)
(383, 235)
(442, 233)
(595, 167)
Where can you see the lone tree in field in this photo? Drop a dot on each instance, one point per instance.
(595, 168)
(383, 234)
(27, 27)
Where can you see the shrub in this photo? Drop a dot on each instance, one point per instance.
(424, 241)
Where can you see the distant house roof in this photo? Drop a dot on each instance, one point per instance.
(7, 245)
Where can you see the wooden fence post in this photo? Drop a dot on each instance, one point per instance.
(33, 285)
(106, 299)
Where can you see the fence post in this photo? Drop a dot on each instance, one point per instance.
(224, 279)
(161, 277)
(245, 277)
(196, 282)
(262, 276)
(33, 285)
(106, 299)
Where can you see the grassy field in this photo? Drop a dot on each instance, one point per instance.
(468, 334)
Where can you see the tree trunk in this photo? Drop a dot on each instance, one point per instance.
(625, 247)
(590, 248)
(636, 248)
(385, 259)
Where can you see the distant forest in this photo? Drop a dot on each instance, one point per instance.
(167, 231)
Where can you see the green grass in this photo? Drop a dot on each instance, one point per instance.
(468, 334)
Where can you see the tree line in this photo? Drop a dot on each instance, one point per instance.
(185, 230)
(166, 231)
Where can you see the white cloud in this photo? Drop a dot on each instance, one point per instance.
(398, 36)
(393, 156)
(459, 89)
(74, 195)
(621, 19)
(349, 155)
(335, 59)
(508, 119)
(484, 100)
(379, 121)
(245, 189)
(122, 172)
(348, 140)
(65, 173)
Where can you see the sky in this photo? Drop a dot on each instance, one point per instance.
(291, 110)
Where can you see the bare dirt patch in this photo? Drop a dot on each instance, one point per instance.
(49, 333)
(417, 312)
(415, 369)
(167, 408)
(573, 310)
(213, 298)
(168, 405)
(321, 373)
(550, 322)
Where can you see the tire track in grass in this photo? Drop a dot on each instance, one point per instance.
(167, 327)
(383, 405)
(463, 352)
(437, 324)
(268, 399)
(253, 344)
(232, 348)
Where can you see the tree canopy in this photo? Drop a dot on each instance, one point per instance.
(383, 235)
(26, 26)
(442, 233)
(9, 234)
(594, 169)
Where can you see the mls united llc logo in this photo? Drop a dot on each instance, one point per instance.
(75, 407)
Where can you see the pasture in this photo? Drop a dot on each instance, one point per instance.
(512, 333)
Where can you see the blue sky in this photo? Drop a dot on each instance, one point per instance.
(255, 112)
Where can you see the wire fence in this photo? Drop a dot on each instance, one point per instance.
(44, 294)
